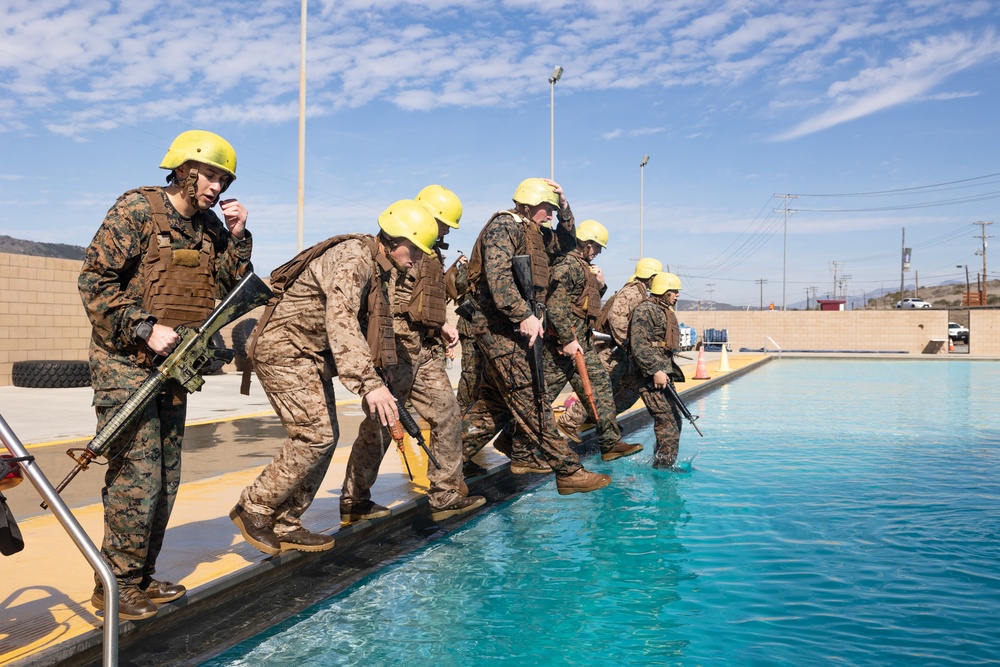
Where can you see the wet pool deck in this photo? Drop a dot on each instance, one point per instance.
(45, 612)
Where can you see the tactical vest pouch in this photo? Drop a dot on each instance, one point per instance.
(427, 301)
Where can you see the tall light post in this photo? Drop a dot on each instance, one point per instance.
(301, 194)
(642, 169)
(556, 75)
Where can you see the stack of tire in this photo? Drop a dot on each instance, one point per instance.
(51, 374)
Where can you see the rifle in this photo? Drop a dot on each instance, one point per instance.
(675, 397)
(397, 433)
(588, 389)
(525, 285)
(411, 426)
(182, 366)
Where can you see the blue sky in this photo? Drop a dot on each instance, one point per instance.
(734, 102)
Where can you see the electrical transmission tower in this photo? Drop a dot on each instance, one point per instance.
(983, 236)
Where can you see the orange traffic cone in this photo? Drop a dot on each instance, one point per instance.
(951, 345)
(701, 373)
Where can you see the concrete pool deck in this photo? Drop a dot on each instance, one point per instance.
(45, 615)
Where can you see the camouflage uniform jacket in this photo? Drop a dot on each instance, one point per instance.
(503, 238)
(653, 326)
(567, 284)
(111, 282)
(321, 315)
(625, 302)
(410, 337)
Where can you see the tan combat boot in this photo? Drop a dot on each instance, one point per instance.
(582, 481)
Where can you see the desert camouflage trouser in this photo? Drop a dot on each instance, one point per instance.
(666, 426)
(428, 389)
(507, 401)
(144, 472)
(626, 381)
(305, 403)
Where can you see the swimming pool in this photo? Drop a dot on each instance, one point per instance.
(838, 512)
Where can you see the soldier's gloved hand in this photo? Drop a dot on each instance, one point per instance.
(162, 340)
(531, 328)
(571, 348)
(382, 406)
(660, 379)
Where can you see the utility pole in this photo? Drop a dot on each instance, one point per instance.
(845, 281)
(301, 188)
(784, 257)
(556, 75)
(902, 269)
(814, 289)
(710, 288)
(761, 282)
(642, 171)
(807, 297)
(836, 266)
(983, 236)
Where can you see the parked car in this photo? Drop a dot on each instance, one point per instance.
(912, 302)
(957, 332)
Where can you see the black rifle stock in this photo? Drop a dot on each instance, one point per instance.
(675, 397)
(525, 285)
(410, 426)
(182, 366)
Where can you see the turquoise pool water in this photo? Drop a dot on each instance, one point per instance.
(837, 513)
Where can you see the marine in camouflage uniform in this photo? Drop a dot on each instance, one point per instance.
(626, 381)
(654, 337)
(161, 258)
(420, 376)
(574, 303)
(333, 318)
(507, 395)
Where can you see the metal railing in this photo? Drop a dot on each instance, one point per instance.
(775, 345)
(73, 528)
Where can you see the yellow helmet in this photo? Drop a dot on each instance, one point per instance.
(647, 267)
(201, 146)
(664, 281)
(592, 230)
(534, 191)
(406, 219)
(442, 203)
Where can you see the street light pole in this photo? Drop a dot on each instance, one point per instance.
(642, 169)
(556, 75)
(301, 194)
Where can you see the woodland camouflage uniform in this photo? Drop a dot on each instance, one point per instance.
(626, 381)
(567, 319)
(507, 397)
(144, 466)
(654, 337)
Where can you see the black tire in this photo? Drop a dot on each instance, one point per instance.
(51, 374)
(241, 334)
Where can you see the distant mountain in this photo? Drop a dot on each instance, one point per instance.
(14, 246)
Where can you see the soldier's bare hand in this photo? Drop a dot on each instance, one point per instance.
(660, 379)
(559, 191)
(599, 274)
(571, 348)
(531, 328)
(235, 217)
(450, 335)
(382, 406)
(162, 340)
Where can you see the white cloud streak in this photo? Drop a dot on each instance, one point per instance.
(76, 66)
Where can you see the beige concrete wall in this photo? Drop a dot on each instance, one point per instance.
(984, 331)
(863, 330)
(41, 316)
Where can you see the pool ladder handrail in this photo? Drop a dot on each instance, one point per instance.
(775, 344)
(73, 528)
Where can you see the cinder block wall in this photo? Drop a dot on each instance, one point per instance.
(41, 316)
(863, 330)
(984, 331)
